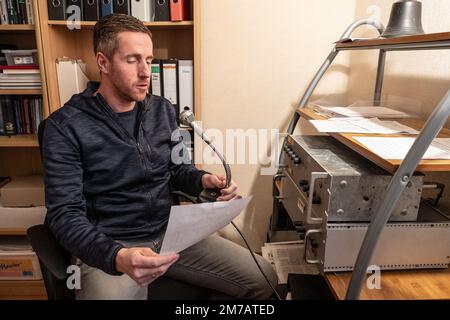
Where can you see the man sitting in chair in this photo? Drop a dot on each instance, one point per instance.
(108, 181)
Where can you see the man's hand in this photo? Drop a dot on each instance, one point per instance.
(143, 265)
(211, 181)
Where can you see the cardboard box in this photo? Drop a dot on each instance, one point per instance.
(23, 192)
(21, 218)
(17, 260)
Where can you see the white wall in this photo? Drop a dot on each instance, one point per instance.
(258, 56)
(421, 77)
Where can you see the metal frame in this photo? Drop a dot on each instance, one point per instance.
(402, 176)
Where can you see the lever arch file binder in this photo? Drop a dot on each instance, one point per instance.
(56, 9)
(91, 10)
(162, 10)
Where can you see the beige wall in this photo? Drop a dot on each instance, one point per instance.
(257, 58)
(421, 77)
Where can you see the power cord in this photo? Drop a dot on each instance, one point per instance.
(194, 200)
(256, 261)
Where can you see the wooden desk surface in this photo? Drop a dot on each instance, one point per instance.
(398, 285)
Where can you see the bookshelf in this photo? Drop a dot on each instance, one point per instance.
(151, 25)
(13, 232)
(179, 40)
(20, 154)
(17, 27)
(20, 141)
(22, 92)
(23, 290)
(24, 36)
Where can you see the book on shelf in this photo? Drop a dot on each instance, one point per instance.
(20, 69)
(20, 81)
(20, 77)
(144, 10)
(180, 10)
(16, 12)
(20, 114)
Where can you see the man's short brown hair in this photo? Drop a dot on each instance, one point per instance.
(108, 27)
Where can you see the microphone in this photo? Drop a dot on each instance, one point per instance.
(187, 118)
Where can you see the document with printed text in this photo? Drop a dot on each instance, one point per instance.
(396, 148)
(190, 224)
(361, 125)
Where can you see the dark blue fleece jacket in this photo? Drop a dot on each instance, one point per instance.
(102, 184)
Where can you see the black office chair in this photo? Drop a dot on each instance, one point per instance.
(54, 261)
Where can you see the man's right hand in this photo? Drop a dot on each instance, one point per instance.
(143, 265)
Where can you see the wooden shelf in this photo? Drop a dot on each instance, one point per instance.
(13, 232)
(17, 27)
(22, 290)
(389, 165)
(151, 25)
(425, 41)
(19, 141)
(21, 91)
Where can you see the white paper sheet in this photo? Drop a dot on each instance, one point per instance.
(361, 125)
(397, 148)
(288, 257)
(189, 224)
(365, 112)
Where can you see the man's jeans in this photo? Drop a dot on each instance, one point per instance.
(214, 263)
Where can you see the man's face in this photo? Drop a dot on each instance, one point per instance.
(130, 68)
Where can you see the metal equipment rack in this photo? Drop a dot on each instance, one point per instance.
(402, 170)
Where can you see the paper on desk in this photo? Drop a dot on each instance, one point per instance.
(189, 224)
(288, 257)
(361, 125)
(397, 148)
(365, 112)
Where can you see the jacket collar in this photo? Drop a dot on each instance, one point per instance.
(93, 86)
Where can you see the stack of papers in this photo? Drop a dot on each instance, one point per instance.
(20, 81)
(363, 112)
(288, 257)
(20, 77)
(361, 125)
(397, 148)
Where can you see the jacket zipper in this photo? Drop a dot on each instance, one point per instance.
(136, 141)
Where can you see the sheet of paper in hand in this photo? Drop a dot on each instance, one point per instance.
(191, 223)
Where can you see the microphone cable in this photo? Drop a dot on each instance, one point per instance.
(187, 118)
(194, 201)
(256, 261)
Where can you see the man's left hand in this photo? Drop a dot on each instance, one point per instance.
(212, 181)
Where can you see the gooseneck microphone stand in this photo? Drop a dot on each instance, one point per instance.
(207, 195)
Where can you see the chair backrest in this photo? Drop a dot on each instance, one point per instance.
(41, 129)
(53, 260)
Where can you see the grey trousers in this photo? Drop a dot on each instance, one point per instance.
(214, 263)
